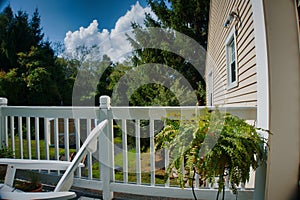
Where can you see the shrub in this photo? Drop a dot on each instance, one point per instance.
(6, 152)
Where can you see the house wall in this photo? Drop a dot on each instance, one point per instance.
(245, 94)
(284, 103)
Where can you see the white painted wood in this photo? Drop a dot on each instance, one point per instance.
(51, 112)
(167, 160)
(28, 134)
(89, 155)
(106, 143)
(10, 174)
(12, 134)
(125, 151)
(197, 182)
(46, 137)
(66, 180)
(138, 152)
(152, 153)
(37, 137)
(155, 113)
(77, 139)
(20, 132)
(36, 164)
(38, 195)
(88, 184)
(66, 139)
(184, 112)
(176, 192)
(6, 130)
(14, 164)
(89, 145)
(111, 149)
(3, 132)
(56, 139)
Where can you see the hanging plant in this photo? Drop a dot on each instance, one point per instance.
(213, 145)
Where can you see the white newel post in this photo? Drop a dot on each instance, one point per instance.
(3, 102)
(106, 151)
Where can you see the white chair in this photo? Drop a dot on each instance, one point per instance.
(64, 184)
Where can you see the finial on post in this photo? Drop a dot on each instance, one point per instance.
(104, 102)
(3, 101)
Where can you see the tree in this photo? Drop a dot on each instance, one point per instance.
(175, 50)
(180, 24)
(65, 80)
(92, 78)
(17, 34)
(31, 74)
(41, 75)
(36, 30)
(6, 21)
(186, 16)
(13, 87)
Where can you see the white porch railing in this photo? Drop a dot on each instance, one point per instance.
(56, 132)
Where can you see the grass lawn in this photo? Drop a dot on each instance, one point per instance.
(145, 162)
(33, 149)
(145, 167)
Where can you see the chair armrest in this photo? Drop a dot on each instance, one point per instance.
(37, 164)
(14, 164)
(37, 195)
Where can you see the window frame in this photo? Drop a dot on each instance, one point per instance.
(231, 38)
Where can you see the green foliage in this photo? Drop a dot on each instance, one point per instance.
(190, 18)
(30, 73)
(18, 34)
(214, 144)
(186, 16)
(12, 87)
(93, 73)
(6, 152)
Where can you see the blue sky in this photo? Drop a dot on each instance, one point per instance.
(60, 16)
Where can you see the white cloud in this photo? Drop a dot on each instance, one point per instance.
(113, 43)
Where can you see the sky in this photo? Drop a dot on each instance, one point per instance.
(86, 22)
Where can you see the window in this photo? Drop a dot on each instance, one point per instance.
(231, 60)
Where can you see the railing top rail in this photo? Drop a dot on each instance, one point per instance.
(122, 112)
(51, 111)
(180, 112)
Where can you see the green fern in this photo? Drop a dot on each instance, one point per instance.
(214, 144)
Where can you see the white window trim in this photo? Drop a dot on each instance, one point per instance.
(231, 36)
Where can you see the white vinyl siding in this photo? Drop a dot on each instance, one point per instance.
(245, 91)
(210, 89)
